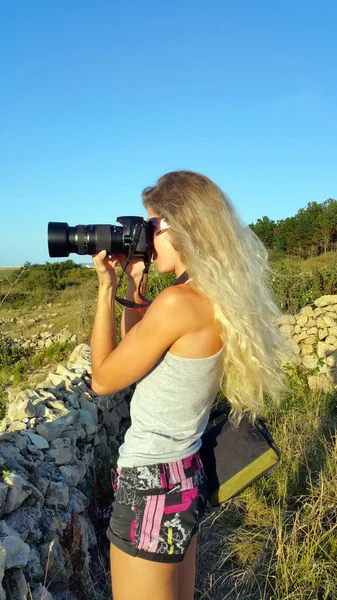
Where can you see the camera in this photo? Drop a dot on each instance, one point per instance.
(133, 238)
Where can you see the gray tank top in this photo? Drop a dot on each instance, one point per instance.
(170, 409)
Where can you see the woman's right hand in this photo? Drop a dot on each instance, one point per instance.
(135, 268)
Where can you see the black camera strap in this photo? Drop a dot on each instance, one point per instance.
(146, 258)
(128, 303)
(183, 278)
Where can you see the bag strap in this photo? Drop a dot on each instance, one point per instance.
(217, 413)
(222, 411)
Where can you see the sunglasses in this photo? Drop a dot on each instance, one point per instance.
(158, 225)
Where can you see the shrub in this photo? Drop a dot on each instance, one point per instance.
(55, 353)
(3, 401)
(10, 352)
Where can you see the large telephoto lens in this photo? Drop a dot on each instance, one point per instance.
(84, 239)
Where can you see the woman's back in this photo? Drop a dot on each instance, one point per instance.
(202, 339)
(171, 404)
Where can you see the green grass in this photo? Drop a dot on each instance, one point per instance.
(18, 373)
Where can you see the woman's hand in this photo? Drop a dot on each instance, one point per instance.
(105, 267)
(135, 268)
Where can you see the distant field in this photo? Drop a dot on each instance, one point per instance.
(6, 272)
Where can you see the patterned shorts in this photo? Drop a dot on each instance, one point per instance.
(158, 508)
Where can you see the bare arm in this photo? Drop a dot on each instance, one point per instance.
(131, 317)
(115, 368)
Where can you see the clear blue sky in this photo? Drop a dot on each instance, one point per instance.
(98, 99)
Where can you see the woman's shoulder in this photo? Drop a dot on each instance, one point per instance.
(188, 302)
(200, 333)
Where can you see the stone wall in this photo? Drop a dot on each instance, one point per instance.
(52, 440)
(41, 340)
(15, 328)
(314, 334)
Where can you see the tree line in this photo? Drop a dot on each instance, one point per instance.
(311, 232)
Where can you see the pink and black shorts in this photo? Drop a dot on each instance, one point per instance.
(158, 508)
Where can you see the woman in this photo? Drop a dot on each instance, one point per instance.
(212, 329)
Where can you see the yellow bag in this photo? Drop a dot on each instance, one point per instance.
(235, 457)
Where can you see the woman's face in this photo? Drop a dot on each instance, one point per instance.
(164, 256)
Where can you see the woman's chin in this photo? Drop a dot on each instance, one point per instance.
(160, 267)
(163, 270)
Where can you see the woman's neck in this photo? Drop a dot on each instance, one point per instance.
(183, 277)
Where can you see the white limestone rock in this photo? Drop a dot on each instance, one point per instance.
(325, 321)
(300, 337)
(80, 357)
(21, 410)
(72, 474)
(53, 429)
(302, 320)
(69, 374)
(325, 301)
(16, 426)
(78, 502)
(17, 551)
(333, 330)
(57, 495)
(331, 339)
(62, 451)
(323, 349)
(18, 490)
(310, 361)
(87, 422)
(38, 441)
(331, 360)
(311, 339)
(26, 522)
(307, 349)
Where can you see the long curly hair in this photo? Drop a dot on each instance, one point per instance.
(228, 264)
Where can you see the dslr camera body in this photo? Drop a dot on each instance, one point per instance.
(133, 238)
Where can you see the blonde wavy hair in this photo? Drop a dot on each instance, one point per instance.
(228, 264)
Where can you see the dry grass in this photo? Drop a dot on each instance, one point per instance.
(278, 540)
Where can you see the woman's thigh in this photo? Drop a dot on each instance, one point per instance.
(187, 572)
(137, 578)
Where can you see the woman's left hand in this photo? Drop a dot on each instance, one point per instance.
(105, 268)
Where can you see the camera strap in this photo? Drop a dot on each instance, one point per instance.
(146, 258)
(183, 278)
(128, 303)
